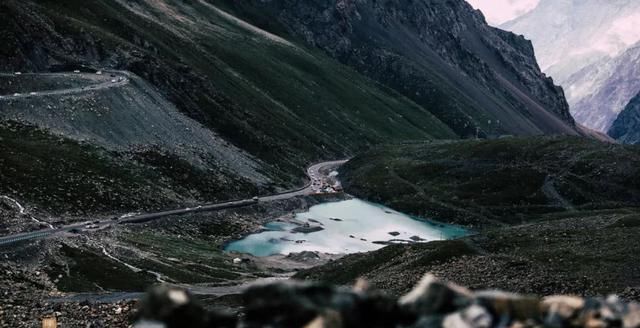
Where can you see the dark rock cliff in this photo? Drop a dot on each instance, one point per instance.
(626, 128)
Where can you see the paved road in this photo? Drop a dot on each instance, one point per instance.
(108, 79)
(316, 177)
(315, 173)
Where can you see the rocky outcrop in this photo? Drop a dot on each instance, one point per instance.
(626, 128)
(441, 54)
(27, 301)
(432, 303)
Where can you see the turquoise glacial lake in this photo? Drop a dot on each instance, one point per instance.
(350, 226)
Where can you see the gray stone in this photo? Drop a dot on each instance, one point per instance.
(433, 296)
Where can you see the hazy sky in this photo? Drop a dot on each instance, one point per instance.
(500, 11)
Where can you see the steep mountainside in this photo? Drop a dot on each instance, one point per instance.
(590, 48)
(120, 117)
(600, 91)
(441, 54)
(626, 128)
(268, 95)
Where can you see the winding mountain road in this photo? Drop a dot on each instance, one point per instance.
(315, 173)
(111, 79)
(106, 80)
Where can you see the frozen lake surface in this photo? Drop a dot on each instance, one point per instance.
(344, 227)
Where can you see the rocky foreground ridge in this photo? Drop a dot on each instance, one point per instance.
(432, 303)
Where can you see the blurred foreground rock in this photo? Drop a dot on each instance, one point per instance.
(432, 303)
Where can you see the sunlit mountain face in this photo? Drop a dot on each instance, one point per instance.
(590, 47)
(567, 30)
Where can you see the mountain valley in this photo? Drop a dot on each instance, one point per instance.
(140, 141)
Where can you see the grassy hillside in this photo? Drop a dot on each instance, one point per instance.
(492, 182)
(441, 54)
(282, 102)
(550, 215)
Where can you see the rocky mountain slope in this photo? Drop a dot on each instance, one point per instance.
(201, 84)
(599, 92)
(121, 117)
(62, 178)
(442, 55)
(242, 88)
(582, 45)
(626, 128)
(281, 102)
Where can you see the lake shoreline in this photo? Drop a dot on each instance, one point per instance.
(351, 226)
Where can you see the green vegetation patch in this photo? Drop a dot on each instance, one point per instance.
(510, 180)
(181, 258)
(87, 271)
(283, 102)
